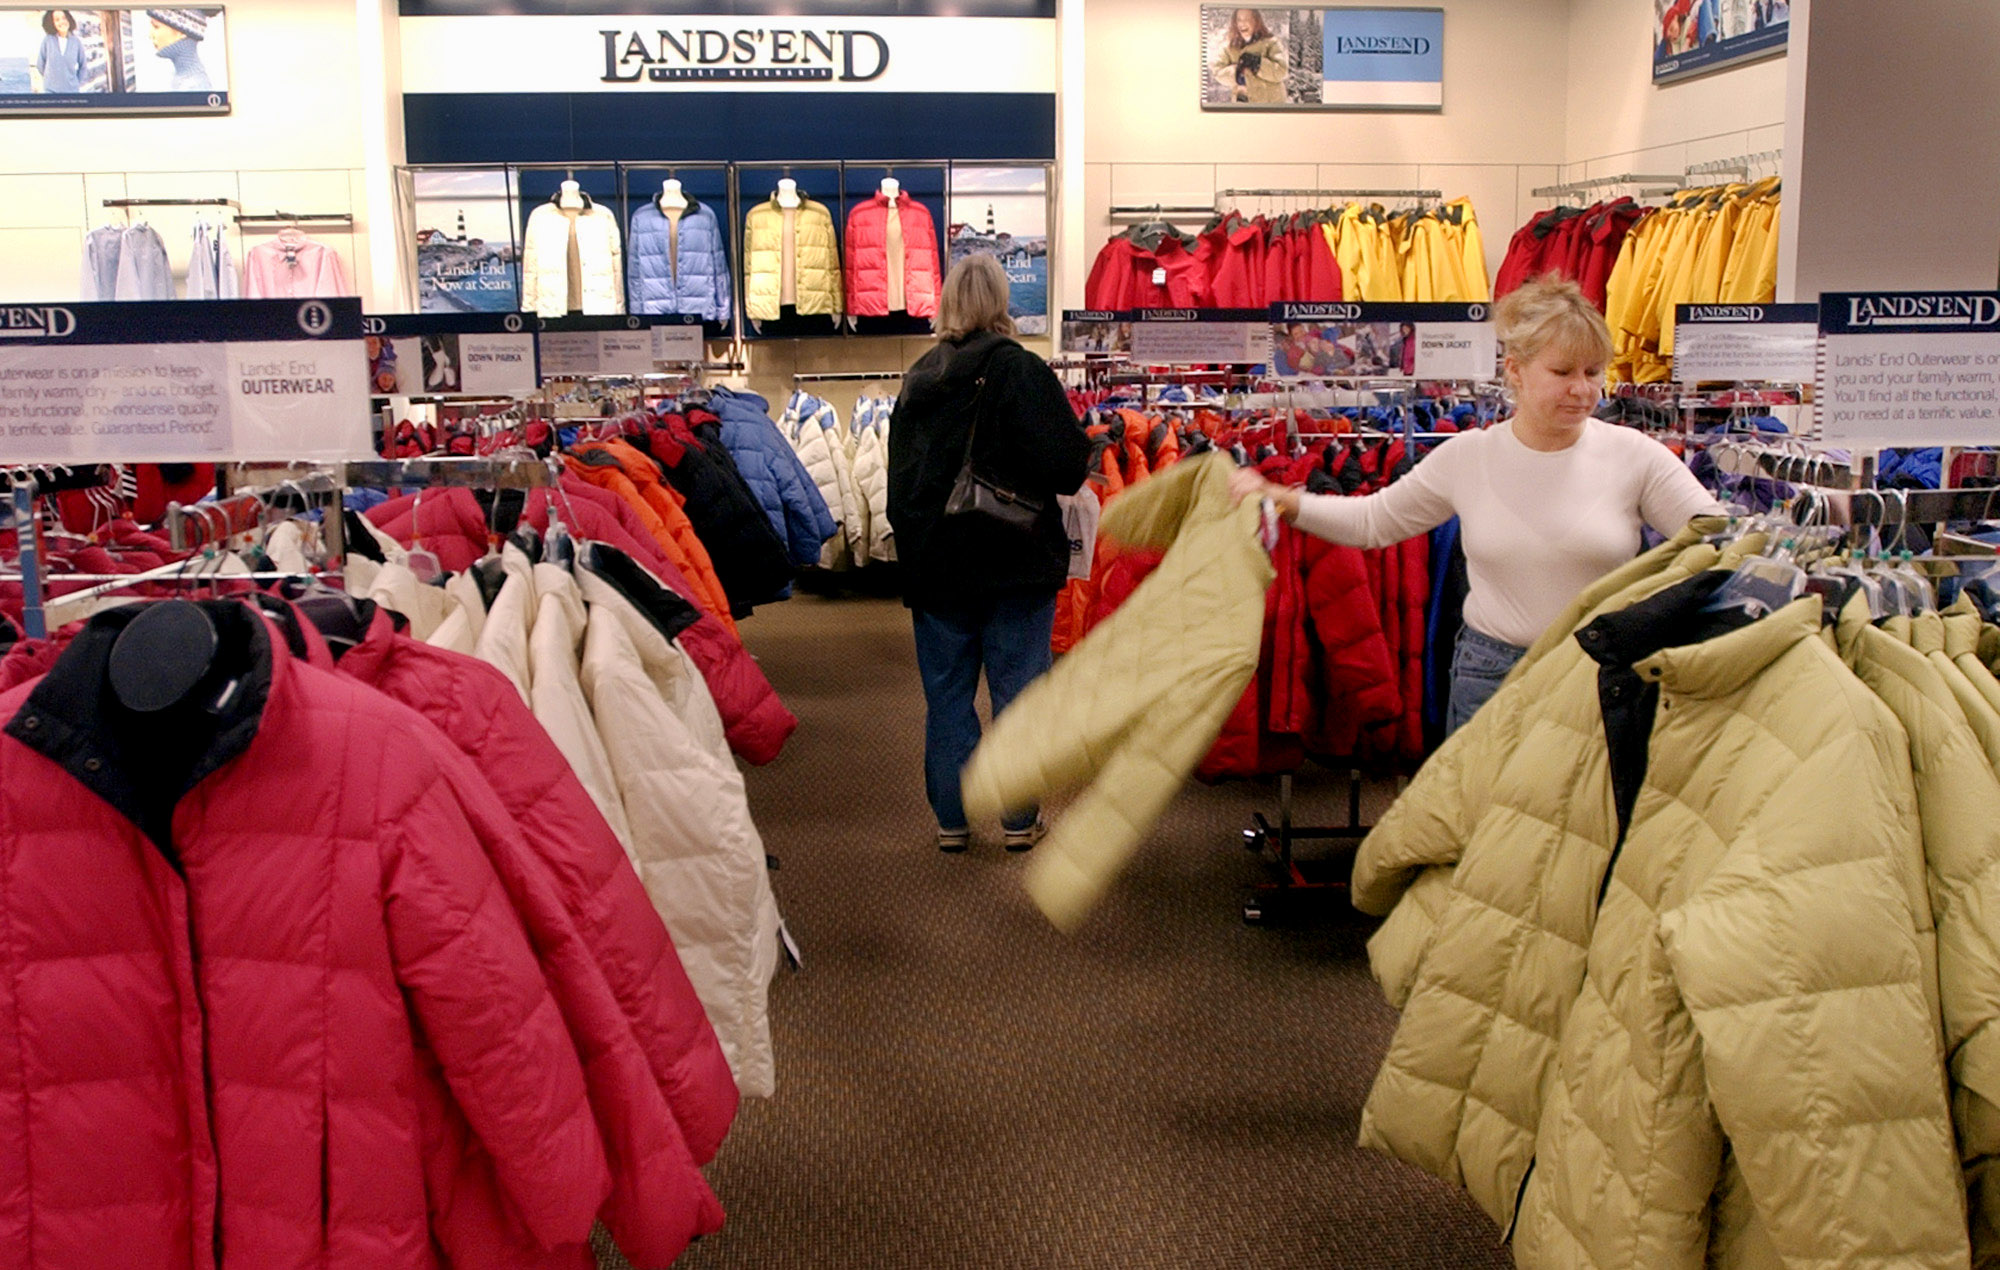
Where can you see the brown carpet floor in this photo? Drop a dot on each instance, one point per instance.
(960, 1085)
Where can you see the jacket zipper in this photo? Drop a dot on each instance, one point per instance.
(1520, 1198)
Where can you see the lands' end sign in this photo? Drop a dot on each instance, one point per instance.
(744, 55)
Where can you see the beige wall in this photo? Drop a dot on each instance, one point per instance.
(1147, 140)
(1619, 122)
(293, 141)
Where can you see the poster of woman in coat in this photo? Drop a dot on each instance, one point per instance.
(1260, 57)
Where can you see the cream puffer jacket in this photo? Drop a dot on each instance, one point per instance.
(1133, 707)
(816, 260)
(813, 428)
(1712, 1040)
(868, 447)
(545, 261)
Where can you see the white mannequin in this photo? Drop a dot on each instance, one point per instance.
(892, 189)
(671, 198)
(571, 195)
(788, 193)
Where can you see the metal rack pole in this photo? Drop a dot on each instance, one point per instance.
(28, 539)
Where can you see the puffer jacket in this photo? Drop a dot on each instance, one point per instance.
(1672, 1010)
(749, 557)
(813, 429)
(679, 268)
(694, 843)
(454, 527)
(1133, 707)
(868, 258)
(545, 261)
(239, 1068)
(774, 473)
(1958, 797)
(870, 444)
(636, 479)
(658, 1083)
(816, 261)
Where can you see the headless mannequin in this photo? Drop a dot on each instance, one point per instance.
(671, 204)
(788, 270)
(894, 248)
(570, 199)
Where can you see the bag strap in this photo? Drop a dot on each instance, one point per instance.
(978, 400)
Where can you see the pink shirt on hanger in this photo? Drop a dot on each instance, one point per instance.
(314, 269)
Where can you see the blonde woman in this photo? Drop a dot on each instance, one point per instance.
(1252, 62)
(982, 595)
(1548, 501)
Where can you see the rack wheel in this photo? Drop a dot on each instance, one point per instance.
(1253, 914)
(1253, 840)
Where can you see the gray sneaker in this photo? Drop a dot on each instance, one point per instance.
(954, 840)
(1025, 839)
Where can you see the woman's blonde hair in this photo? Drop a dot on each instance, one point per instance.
(974, 299)
(1552, 312)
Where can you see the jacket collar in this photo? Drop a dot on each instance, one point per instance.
(1668, 640)
(72, 718)
(663, 608)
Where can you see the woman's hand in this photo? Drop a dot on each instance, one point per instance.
(1247, 482)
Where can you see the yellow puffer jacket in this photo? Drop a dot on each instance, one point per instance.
(1136, 704)
(1958, 796)
(1710, 1041)
(817, 261)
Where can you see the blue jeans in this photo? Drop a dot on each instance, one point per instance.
(1009, 637)
(1478, 664)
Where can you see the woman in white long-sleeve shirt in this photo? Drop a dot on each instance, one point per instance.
(1548, 501)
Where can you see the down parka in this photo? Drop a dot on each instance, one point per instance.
(1136, 704)
(635, 478)
(870, 444)
(678, 267)
(238, 1066)
(773, 472)
(748, 554)
(868, 257)
(813, 428)
(545, 261)
(1673, 1010)
(603, 950)
(815, 258)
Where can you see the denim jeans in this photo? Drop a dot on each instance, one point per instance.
(1007, 636)
(1478, 664)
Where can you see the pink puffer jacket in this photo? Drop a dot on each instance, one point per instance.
(211, 1047)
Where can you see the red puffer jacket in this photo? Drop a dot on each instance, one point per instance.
(454, 527)
(213, 1042)
(1358, 686)
(1253, 741)
(868, 258)
(659, 1084)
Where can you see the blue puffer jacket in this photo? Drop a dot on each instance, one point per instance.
(774, 473)
(696, 282)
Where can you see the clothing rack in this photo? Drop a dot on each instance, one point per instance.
(1160, 211)
(1297, 878)
(296, 218)
(173, 202)
(1739, 165)
(1331, 194)
(844, 376)
(1674, 181)
(482, 471)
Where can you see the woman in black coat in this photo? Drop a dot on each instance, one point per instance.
(980, 593)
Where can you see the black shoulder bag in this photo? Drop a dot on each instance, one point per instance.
(976, 495)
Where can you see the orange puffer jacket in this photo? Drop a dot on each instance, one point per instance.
(624, 471)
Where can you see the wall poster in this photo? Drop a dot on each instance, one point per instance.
(1691, 37)
(466, 253)
(1322, 58)
(113, 61)
(1004, 212)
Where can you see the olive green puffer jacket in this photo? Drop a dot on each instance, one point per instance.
(1710, 1041)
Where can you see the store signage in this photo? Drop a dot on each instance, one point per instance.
(1106, 331)
(1234, 337)
(1345, 58)
(1366, 340)
(444, 355)
(1692, 37)
(255, 380)
(579, 347)
(113, 61)
(1772, 343)
(678, 339)
(1910, 368)
(514, 52)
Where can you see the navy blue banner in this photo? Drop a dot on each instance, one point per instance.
(180, 322)
(397, 326)
(1909, 312)
(1746, 314)
(1362, 311)
(215, 103)
(1693, 37)
(1200, 315)
(448, 128)
(614, 321)
(728, 8)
